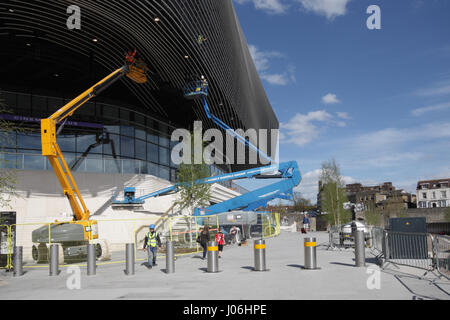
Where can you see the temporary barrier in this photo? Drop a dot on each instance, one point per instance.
(441, 249)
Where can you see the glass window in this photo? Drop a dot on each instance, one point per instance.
(164, 173)
(152, 137)
(94, 165)
(424, 195)
(113, 129)
(7, 139)
(113, 146)
(173, 175)
(124, 115)
(164, 156)
(110, 111)
(138, 118)
(67, 143)
(443, 194)
(153, 169)
(88, 109)
(85, 141)
(143, 167)
(130, 166)
(126, 147)
(127, 131)
(29, 141)
(10, 161)
(54, 104)
(152, 152)
(141, 150)
(112, 165)
(165, 142)
(140, 134)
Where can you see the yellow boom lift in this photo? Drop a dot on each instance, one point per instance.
(74, 236)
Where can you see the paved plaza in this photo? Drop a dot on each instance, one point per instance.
(337, 278)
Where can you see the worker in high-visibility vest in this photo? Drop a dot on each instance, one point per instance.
(151, 243)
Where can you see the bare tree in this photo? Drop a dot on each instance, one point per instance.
(333, 194)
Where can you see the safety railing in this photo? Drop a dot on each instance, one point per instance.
(442, 255)
(36, 238)
(336, 240)
(376, 240)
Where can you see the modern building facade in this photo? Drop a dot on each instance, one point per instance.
(433, 193)
(45, 64)
(122, 138)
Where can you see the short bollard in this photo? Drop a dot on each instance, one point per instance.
(18, 262)
(170, 259)
(213, 257)
(54, 260)
(260, 255)
(310, 254)
(360, 254)
(130, 259)
(91, 260)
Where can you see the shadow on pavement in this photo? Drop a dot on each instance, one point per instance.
(343, 264)
(295, 266)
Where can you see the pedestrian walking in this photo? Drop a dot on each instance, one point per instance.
(203, 239)
(151, 243)
(220, 239)
(306, 222)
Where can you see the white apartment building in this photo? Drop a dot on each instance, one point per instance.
(433, 193)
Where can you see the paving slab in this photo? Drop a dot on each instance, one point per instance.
(338, 278)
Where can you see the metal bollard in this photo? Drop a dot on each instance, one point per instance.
(170, 257)
(18, 262)
(130, 259)
(91, 260)
(54, 260)
(360, 254)
(260, 255)
(213, 257)
(310, 253)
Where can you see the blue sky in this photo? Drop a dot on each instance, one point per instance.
(378, 101)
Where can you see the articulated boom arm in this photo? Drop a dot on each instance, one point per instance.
(290, 177)
(50, 147)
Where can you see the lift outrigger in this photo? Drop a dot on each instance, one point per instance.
(73, 236)
(288, 172)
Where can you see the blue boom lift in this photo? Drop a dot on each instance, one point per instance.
(288, 172)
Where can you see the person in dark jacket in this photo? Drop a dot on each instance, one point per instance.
(151, 243)
(203, 239)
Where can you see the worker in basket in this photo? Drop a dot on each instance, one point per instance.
(152, 242)
(137, 68)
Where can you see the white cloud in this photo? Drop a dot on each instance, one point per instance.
(328, 8)
(262, 63)
(302, 128)
(269, 6)
(309, 186)
(330, 98)
(439, 88)
(343, 115)
(432, 108)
